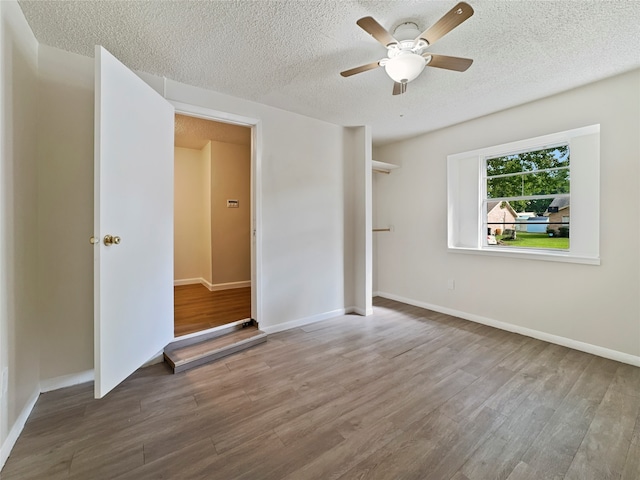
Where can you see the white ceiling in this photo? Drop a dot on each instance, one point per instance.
(288, 53)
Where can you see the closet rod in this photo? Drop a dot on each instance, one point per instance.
(377, 170)
(381, 229)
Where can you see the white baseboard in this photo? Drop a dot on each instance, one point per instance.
(16, 430)
(188, 281)
(360, 311)
(157, 358)
(228, 286)
(66, 381)
(213, 287)
(547, 337)
(305, 321)
(45, 386)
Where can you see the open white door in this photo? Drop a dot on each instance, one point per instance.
(133, 279)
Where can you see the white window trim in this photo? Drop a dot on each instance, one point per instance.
(465, 177)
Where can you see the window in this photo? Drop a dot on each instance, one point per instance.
(522, 192)
(536, 198)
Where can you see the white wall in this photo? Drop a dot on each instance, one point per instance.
(358, 156)
(206, 213)
(19, 335)
(596, 305)
(65, 202)
(375, 178)
(302, 197)
(192, 241)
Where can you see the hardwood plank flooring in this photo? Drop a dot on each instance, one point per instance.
(404, 394)
(196, 308)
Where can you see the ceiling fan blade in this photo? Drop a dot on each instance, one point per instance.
(399, 88)
(449, 63)
(360, 69)
(448, 22)
(377, 31)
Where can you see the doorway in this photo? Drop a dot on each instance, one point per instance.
(212, 224)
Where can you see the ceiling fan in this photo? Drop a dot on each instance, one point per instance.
(406, 56)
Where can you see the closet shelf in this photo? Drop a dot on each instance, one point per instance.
(382, 167)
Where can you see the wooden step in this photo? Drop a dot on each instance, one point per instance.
(195, 353)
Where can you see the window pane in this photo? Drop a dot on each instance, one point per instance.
(529, 161)
(534, 183)
(557, 240)
(532, 222)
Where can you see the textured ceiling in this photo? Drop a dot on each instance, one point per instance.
(191, 132)
(289, 53)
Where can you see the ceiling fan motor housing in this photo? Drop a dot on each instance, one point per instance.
(406, 31)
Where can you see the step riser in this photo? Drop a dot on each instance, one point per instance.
(181, 356)
(218, 332)
(216, 355)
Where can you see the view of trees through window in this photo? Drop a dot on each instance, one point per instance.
(527, 201)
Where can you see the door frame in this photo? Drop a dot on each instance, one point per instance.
(255, 188)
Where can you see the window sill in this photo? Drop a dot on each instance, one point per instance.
(561, 256)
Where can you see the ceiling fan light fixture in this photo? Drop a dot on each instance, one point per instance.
(405, 67)
(406, 56)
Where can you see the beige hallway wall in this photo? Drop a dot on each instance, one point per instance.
(230, 227)
(192, 214)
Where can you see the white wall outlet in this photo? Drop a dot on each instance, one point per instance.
(451, 284)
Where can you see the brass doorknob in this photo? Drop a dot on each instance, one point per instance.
(111, 240)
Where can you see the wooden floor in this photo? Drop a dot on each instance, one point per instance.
(196, 308)
(404, 394)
